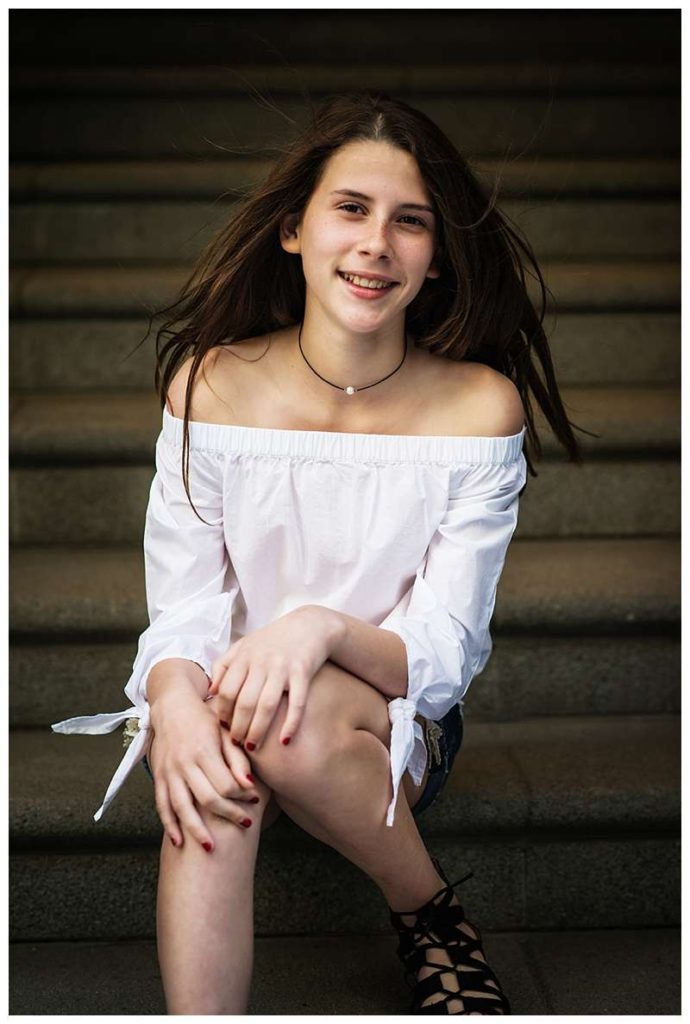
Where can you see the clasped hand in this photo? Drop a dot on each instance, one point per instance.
(249, 680)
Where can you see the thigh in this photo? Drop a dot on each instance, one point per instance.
(271, 814)
(336, 697)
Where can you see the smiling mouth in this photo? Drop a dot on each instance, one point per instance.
(369, 283)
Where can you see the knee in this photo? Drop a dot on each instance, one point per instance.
(312, 755)
(340, 709)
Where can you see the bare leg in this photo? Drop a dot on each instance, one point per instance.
(334, 781)
(205, 911)
(337, 787)
(348, 812)
(343, 814)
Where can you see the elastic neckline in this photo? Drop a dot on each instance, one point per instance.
(331, 444)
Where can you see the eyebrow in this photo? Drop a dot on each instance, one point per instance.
(360, 195)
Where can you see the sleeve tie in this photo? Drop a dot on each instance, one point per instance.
(407, 747)
(137, 741)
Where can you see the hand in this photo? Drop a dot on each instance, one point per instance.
(195, 764)
(283, 657)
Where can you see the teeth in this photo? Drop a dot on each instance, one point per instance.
(364, 282)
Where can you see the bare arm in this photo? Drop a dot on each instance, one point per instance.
(176, 675)
(378, 656)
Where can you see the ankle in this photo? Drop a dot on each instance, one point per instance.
(417, 898)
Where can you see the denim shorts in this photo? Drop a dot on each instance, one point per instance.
(443, 741)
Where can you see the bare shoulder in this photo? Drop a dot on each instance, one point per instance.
(218, 382)
(482, 402)
(177, 390)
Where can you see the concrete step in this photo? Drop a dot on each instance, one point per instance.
(591, 586)
(537, 832)
(624, 498)
(178, 178)
(478, 77)
(297, 36)
(583, 675)
(122, 231)
(88, 291)
(511, 778)
(583, 882)
(599, 349)
(106, 427)
(59, 127)
(616, 971)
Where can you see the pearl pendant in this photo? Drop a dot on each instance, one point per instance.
(350, 391)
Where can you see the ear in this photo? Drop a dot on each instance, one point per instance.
(289, 233)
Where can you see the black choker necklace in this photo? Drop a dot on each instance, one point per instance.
(348, 390)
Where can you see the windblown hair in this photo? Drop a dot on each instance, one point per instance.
(245, 284)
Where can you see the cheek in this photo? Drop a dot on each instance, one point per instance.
(326, 245)
(334, 238)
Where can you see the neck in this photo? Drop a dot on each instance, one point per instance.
(331, 361)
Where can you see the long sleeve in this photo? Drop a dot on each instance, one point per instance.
(190, 591)
(443, 618)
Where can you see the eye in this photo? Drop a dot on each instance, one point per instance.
(406, 216)
(409, 216)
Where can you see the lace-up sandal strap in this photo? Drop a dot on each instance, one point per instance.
(439, 900)
(444, 876)
(410, 934)
(484, 1000)
(438, 923)
(447, 936)
(472, 974)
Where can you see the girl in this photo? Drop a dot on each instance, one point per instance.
(337, 483)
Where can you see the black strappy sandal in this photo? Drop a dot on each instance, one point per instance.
(437, 922)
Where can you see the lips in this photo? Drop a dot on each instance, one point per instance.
(365, 294)
(388, 283)
(368, 277)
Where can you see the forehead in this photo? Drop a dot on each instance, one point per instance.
(366, 166)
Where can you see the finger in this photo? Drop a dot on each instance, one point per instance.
(241, 768)
(221, 665)
(267, 705)
(188, 816)
(297, 699)
(228, 690)
(229, 772)
(166, 814)
(245, 704)
(211, 800)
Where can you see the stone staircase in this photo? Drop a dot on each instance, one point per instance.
(565, 799)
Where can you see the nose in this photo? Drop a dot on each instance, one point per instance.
(375, 243)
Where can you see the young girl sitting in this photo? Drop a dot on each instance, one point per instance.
(345, 401)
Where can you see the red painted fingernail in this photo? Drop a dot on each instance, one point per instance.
(224, 725)
(286, 741)
(254, 800)
(251, 778)
(207, 846)
(246, 822)
(173, 840)
(250, 746)
(237, 743)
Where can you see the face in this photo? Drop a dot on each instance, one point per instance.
(381, 232)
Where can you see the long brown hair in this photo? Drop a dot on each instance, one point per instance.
(244, 284)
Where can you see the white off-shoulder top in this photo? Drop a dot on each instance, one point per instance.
(408, 533)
